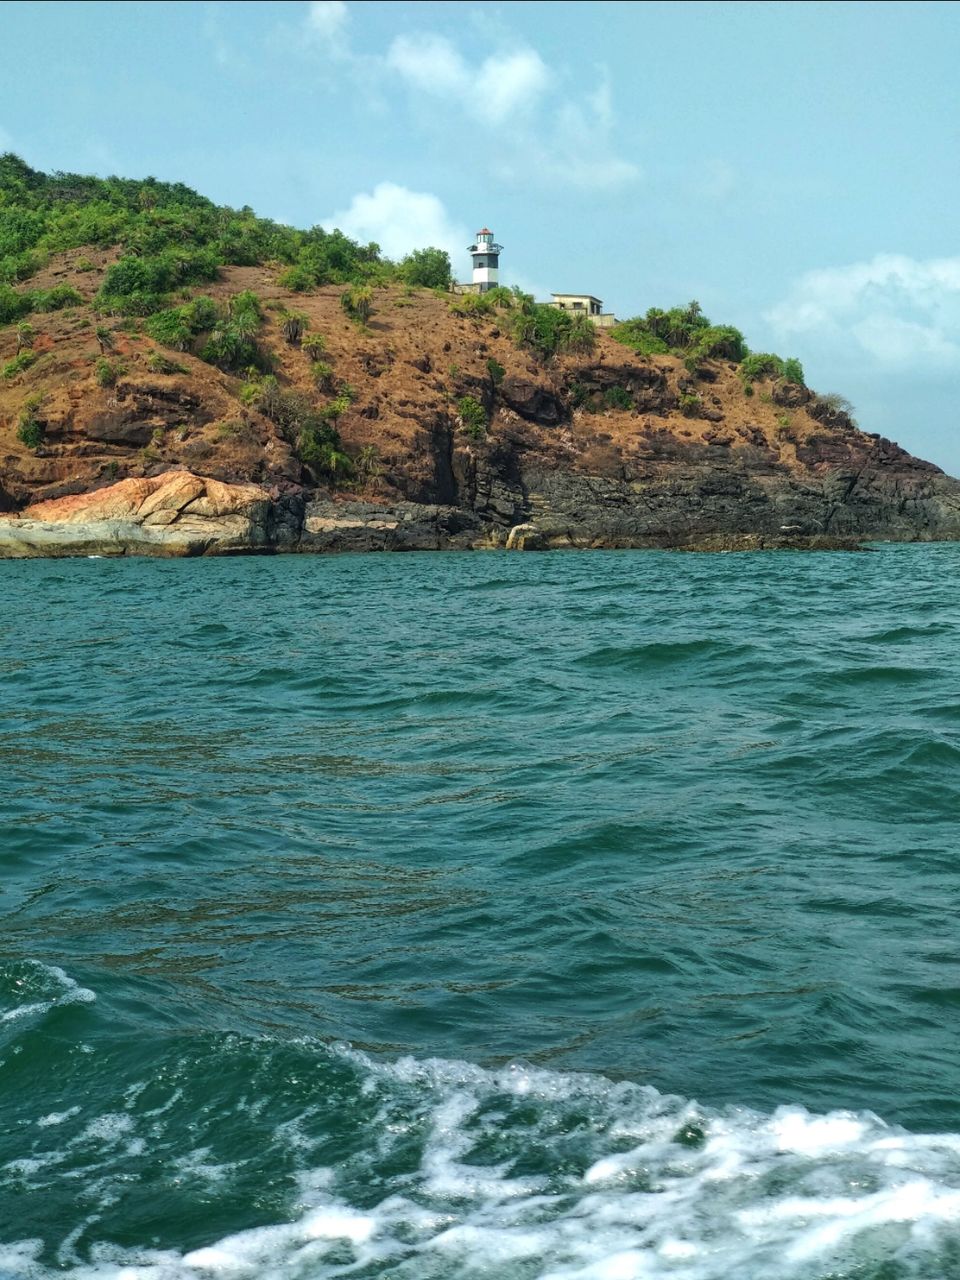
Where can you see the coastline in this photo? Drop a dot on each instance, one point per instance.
(179, 514)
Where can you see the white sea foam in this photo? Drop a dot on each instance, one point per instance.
(42, 987)
(523, 1174)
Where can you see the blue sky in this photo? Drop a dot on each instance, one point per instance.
(792, 166)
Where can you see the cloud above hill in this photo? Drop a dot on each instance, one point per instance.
(400, 220)
(899, 311)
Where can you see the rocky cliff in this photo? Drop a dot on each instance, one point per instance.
(608, 449)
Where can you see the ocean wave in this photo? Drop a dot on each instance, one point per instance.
(29, 989)
(528, 1174)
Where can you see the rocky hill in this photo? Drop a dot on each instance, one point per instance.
(420, 424)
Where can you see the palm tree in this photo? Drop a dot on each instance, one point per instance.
(25, 335)
(294, 325)
(104, 338)
(357, 301)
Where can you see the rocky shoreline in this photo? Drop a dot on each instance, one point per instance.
(179, 514)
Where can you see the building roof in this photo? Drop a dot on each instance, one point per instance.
(589, 296)
(484, 231)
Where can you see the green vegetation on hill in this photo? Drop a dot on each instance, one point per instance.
(686, 331)
(169, 237)
(541, 328)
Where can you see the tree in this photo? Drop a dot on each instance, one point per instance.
(427, 269)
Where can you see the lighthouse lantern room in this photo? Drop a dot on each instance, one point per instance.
(486, 261)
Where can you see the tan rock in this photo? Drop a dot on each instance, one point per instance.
(175, 514)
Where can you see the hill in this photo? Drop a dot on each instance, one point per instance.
(179, 378)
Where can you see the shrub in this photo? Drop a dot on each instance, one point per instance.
(15, 267)
(297, 279)
(473, 305)
(718, 342)
(106, 372)
(231, 341)
(581, 337)
(313, 433)
(30, 432)
(357, 302)
(547, 330)
(31, 428)
(321, 449)
(838, 403)
(313, 345)
(793, 371)
(689, 404)
(83, 264)
(635, 335)
(157, 362)
(55, 299)
(294, 326)
(138, 284)
(177, 327)
(13, 305)
(473, 416)
(18, 364)
(760, 364)
(104, 338)
(496, 371)
(617, 398)
(232, 344)
(336, 407)
(322, 374)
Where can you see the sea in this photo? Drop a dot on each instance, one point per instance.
(567, 916)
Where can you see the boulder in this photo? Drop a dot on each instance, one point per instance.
(173, 514)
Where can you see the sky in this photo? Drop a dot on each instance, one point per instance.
(795, 167)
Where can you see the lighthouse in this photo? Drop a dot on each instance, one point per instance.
(486, 261)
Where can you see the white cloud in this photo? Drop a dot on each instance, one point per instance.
(494, 92)
(326, 24)
(429, 63)
(540, 126)
(897, 310)
(581, 153)
(400, 220)
(507, 85)
(562, 139)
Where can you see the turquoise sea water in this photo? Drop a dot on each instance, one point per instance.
(573, 916)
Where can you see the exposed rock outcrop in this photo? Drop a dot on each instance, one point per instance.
(174, 514)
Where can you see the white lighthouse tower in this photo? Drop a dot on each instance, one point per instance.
(486, 261)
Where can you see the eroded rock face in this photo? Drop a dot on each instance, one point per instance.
(173, 514)
(403, 526)
(531, 400)
(135, 412)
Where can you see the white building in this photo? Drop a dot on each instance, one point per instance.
(584, 304)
